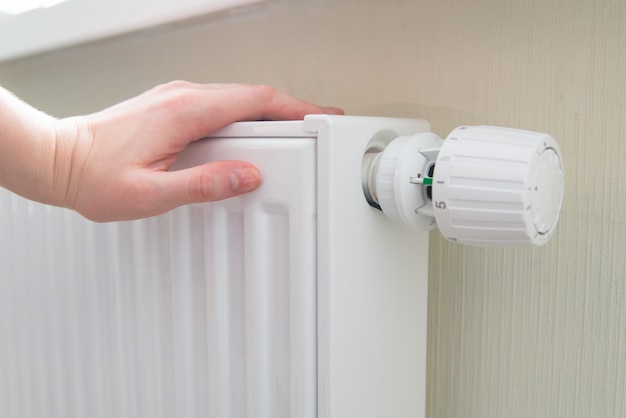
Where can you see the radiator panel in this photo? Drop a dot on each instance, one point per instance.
(206, 311)
(298, 300)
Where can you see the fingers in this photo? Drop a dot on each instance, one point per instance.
(209, 182)
(201, 109)
(265, 102)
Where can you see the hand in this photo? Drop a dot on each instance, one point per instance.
(113, 165)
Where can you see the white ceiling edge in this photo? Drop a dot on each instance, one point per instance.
(79, 21)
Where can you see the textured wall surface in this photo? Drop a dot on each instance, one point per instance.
(513, 333)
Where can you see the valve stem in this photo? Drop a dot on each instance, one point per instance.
(421, 180)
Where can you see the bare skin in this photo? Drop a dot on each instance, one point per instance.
(113, 165)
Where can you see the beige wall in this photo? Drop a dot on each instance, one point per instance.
(512, 333)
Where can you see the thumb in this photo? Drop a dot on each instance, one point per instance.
(212, 181)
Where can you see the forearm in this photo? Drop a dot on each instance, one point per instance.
(27, 150)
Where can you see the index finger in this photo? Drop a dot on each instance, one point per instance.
(203, 109)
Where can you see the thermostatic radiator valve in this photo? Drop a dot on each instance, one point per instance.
(483, 185)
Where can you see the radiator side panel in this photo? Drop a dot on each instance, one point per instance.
(372, 282)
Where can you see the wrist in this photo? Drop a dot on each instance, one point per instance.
(28, 147)
(71, 148)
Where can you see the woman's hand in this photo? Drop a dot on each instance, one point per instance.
(113, 165)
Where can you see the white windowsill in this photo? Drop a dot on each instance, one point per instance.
(78, 21)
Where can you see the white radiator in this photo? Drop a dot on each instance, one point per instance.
(297, 300)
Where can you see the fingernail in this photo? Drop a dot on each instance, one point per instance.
(333, 110)
(244, 180)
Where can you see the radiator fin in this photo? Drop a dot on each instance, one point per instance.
(208, 311)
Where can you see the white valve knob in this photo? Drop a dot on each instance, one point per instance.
(498, 186)
(483, 185)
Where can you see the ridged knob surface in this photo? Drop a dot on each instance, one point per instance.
(498, 186)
